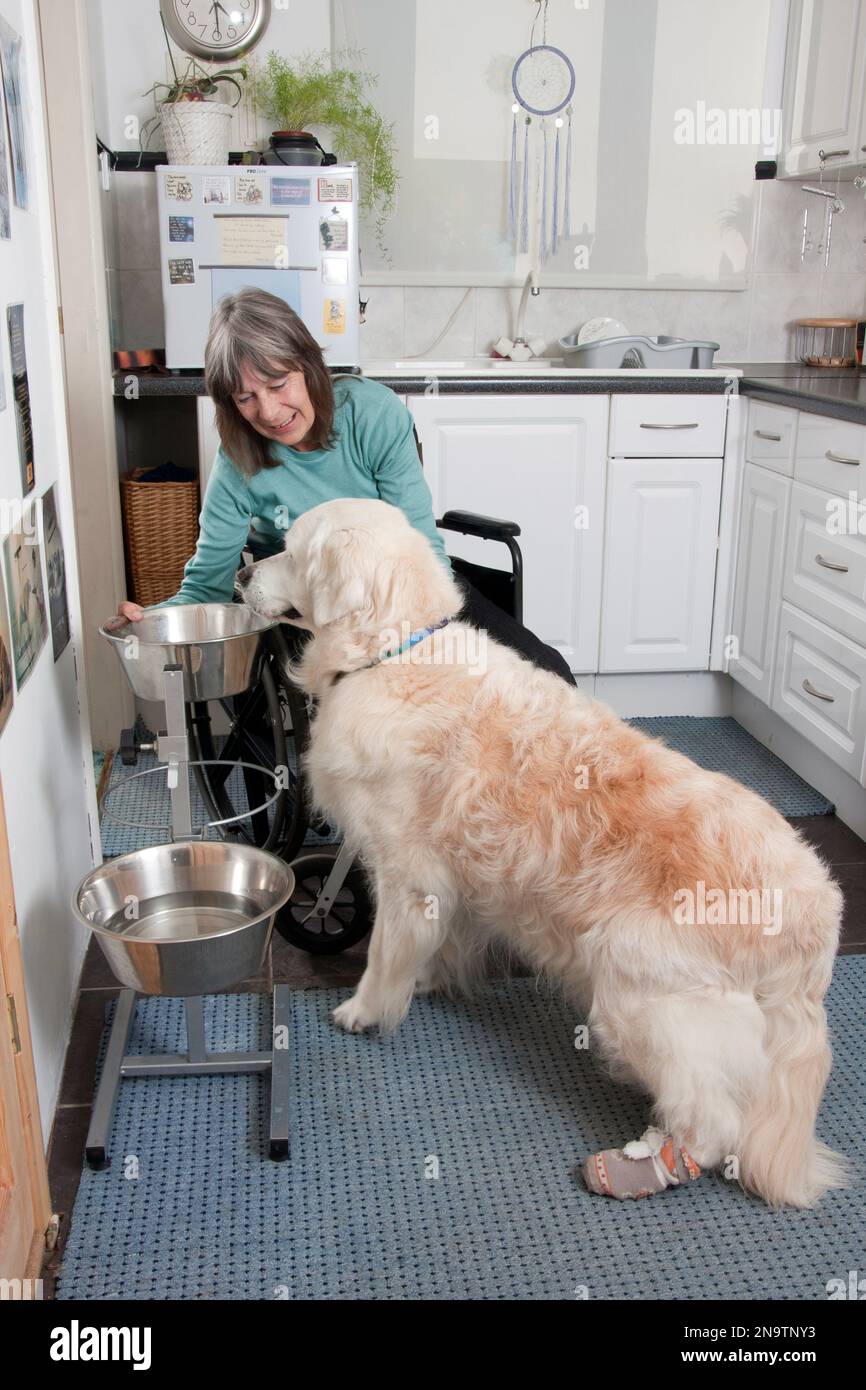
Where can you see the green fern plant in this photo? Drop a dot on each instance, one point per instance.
(318, 89)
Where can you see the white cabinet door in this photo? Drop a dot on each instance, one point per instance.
(539, 461)
(659, 564)
(758, 585)
(824, 85)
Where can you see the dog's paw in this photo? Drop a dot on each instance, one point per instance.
(352, 1016)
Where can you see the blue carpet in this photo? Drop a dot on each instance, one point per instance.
(720, 745)
(723, 745)
(493, 1093)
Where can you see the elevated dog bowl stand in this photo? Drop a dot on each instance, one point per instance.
(173, 749)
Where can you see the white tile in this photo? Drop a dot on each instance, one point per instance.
(428, 309)
(843, 296)
(778, 299)
(382, 329)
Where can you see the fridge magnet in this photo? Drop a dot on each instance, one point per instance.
(21, 394)
(26, 602)
(335, 190)
(335, 270)
(181, 229)
(335, 316)
(249, 189)
(13, 87)
(178, 188)
(216, 191)
(7, 694)
(334, 234)
(55, 569)
(181, 271)
(290, 192)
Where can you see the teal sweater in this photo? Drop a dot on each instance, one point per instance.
(375, 455)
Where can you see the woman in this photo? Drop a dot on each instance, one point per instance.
(293, 436)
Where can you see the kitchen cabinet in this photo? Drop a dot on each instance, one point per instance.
(539, 461)
(824, 88)
(758, 583)
(659, 563)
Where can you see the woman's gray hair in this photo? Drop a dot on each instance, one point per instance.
(255, 329)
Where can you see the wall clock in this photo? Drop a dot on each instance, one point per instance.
(216, 30)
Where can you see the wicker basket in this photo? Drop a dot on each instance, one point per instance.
(196, 132)
(160, 521)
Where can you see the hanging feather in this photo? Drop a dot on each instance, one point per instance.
(566, 202)
(544, 243)
(524, 211)
(512, 186)
(554, 221)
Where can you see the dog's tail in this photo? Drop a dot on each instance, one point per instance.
(781, 1159)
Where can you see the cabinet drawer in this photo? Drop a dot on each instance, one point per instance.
(825, 573)
(819, 688)
(770, 436)
(831, 454)
(662, 426)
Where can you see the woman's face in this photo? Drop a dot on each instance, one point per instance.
(277, 407)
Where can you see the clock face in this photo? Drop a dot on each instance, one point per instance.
(216, 28)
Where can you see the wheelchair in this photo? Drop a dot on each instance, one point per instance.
(269, 725)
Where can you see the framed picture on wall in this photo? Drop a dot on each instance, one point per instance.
(7, 693)
(27, 614)
(5, 222)
(55, 569)
(10, 56)
(21, 392)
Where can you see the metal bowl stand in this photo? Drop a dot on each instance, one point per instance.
(173, 749)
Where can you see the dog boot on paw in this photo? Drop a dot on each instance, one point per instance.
(640, 1169)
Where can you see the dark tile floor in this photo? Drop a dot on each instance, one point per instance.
(836, 844)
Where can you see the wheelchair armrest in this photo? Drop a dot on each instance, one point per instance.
(490, 528)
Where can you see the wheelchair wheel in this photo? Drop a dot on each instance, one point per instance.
(348, 920)
(269, 726)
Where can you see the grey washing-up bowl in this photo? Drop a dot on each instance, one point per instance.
(186, 918)
(215, 644)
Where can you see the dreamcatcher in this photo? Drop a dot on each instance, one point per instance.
(543, 82)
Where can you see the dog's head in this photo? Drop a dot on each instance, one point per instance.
(354, 562)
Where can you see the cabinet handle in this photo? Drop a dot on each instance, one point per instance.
(832, 154)
(773, 438)
(810, 690)
(840, 458)
(830, 565)
(693, 426)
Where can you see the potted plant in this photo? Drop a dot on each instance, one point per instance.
(316, 89)
(194, 125)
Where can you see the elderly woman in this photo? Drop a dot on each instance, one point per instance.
(293, 436)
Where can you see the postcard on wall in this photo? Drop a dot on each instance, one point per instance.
(26, 602)
(7, 693)
(249, 189)
(290, 192)
(55, 568)
(335, 190)
(178, 188)
(334, 234)
(5, 222)
(253, 241)
(181, 271)
(216, 191)
(21, 394)
(13, 87)
(335, 316)
(181, 229)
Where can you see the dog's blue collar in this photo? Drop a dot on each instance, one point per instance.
(411, 641)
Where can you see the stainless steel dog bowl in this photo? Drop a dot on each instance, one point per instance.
(185, 918)
(215, 644)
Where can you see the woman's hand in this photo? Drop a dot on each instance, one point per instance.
(126, 613)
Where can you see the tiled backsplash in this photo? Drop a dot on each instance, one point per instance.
(751, 325)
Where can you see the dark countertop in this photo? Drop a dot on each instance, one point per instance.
(835, 391)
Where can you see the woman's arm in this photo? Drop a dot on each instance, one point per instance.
(209, 574)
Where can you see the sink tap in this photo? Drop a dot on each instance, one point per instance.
(530, 281)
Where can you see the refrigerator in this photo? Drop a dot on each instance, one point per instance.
(288, 229)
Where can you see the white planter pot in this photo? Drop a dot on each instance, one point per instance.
(196, 132)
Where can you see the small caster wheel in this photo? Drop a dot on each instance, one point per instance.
(346, 922)
(97, 1158)
(278, 1149)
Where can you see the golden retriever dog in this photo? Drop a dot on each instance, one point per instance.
(490, 801)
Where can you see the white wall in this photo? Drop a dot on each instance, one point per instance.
(45, 761)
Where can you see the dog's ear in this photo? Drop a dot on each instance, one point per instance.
(339, 573)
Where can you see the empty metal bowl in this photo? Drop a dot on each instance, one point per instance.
(215, 644)
(186, 918)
